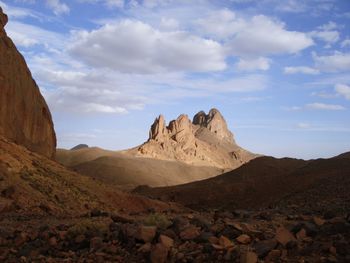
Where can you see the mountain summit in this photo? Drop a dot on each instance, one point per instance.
(204, 141)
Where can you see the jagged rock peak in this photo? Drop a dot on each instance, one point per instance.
(214, 122)
(24, 115)
(158, 129)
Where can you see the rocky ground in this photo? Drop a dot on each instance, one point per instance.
(215, 236)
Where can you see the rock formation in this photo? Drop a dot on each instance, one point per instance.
(24, 115)
(206, 141)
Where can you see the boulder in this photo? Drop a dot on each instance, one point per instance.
(284, 236)
(159, 253)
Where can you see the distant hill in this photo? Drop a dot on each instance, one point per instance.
(127, 171)
(267, 181)
(80, 146)
(179, 153)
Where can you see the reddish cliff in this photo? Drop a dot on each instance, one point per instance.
(24, 115)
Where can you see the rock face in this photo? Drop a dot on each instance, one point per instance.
(215, 123)
(205, 141)
(24, 115)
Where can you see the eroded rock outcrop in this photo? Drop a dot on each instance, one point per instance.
(24, 115)
(205, 141)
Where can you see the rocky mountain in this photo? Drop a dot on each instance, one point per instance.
(24, 115)
(204, 141)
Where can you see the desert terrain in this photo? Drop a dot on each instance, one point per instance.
(188, 194)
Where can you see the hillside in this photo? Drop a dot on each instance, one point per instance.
(266, 182)
(127, 172)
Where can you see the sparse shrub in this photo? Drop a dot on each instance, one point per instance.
(158, 220)
(88, 228)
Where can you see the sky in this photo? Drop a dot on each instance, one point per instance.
(278, 71)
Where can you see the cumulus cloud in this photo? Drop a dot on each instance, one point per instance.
(326, 33)
(251, 64)
(333, 63)
(343, 90)
(264, 36)
(257, 36)
(301, 69)
(135, 47)
(323, 106)
(57, 7)
(220, 24)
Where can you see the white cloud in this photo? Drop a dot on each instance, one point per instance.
(221, 24)
(301, 69)
(333, 63)
(57, 7)
(323, 106)
(345, 43)
(330, 37)
(251, 64)
(343, 90)
(264, 36)
(327, 33)
(139, 48)
(26, 35)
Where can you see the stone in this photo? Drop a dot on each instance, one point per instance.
(145, 248)
(301, 234)
(166, 241)
(190, 233)
(319, 221)
(146, 233)
(24, 115)
(159, 253)
(283, 236)
(244, 239)
(262, 248)
(225, 242)
(249, 257)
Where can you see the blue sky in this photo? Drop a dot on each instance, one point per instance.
(277, 70)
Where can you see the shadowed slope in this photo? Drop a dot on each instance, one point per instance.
(262, 182)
